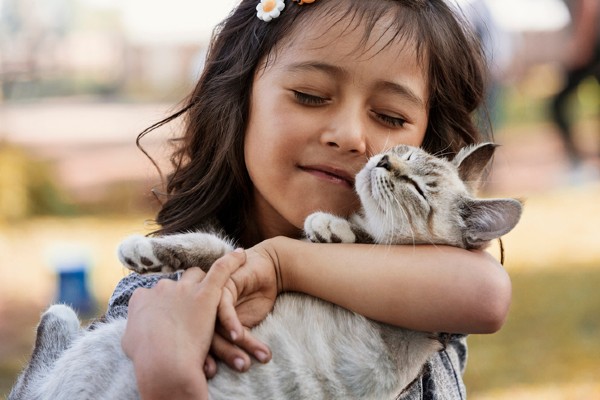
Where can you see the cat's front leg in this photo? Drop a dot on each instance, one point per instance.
(321, 227)
(172, 252)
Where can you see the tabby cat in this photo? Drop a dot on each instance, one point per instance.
(408, 197)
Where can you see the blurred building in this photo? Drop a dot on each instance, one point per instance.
(74, 47)
(79, 79)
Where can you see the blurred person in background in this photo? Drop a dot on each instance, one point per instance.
(581, 60)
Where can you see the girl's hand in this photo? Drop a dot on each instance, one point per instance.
(166, 338)
(257, 286)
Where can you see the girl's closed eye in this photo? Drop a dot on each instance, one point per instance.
(390, 121)
(309, 99)
(314, 100)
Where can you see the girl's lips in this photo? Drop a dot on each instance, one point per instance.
(331, 174)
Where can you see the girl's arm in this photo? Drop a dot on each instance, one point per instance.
(429, 288)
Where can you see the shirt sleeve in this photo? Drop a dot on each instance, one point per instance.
(119, 301)
(442, 377)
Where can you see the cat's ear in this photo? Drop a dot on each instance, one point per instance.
(488, 219)
(472, 161)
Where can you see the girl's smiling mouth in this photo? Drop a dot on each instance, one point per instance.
(331, 174)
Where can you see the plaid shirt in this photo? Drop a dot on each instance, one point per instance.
(441, 380)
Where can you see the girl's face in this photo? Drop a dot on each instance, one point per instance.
(319, 108)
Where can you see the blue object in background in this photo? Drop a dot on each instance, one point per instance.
(71, 263)
(73, 290)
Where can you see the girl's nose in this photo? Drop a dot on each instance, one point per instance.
(347, 132)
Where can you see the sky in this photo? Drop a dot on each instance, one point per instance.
(172, 17)
(525, 15)
(193, 20)
(172, 20)
(158, 20)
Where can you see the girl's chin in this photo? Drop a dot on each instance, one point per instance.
(341, 210)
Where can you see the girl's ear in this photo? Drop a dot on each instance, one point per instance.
(472, 161)
(488, 219)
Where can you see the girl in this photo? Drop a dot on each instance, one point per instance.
(293, 100)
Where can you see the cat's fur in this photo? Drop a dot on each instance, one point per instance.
(319, 350)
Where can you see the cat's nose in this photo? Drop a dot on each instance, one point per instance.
(385, 163)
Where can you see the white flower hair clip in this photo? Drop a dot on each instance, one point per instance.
(269, 9)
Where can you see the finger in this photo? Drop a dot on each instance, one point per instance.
(228, 317)
(210, 367)
(230, 354)
(193, 274)
(221, 270)
(251, 345)
(138, 296)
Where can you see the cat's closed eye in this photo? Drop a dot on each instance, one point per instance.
(414, 184)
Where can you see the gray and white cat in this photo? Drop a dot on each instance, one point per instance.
(319, 350)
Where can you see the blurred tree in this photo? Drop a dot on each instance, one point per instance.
(13, 193)
(28, 187)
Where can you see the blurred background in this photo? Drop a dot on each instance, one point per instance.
(79, 79)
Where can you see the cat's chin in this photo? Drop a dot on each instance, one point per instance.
(363, 185)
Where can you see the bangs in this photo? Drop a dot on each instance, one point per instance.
(396, 23)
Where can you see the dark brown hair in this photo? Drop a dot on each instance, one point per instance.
(210, 185)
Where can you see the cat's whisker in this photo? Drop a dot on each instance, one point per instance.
(387, 147)
(389, 220)
(406, 219)
(443, 153)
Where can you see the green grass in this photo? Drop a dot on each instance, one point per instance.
(552, 334)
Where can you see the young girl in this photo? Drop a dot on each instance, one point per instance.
(293, 100)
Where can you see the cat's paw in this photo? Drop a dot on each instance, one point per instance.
(322, 227)
(137, 253)
(172, 252)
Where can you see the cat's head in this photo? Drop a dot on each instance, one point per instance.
(411, 196)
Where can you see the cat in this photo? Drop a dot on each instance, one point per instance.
(320, 350)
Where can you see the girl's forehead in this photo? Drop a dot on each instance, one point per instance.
(376, 50)
(350, 39)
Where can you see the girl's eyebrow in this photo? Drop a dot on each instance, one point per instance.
(318, 66)
(401, 90)
(334, 70)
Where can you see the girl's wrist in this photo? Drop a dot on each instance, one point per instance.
(281, 251)
(180, 383)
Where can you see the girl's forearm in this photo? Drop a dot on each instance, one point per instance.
(428, 288)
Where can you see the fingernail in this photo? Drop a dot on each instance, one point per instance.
(233, 335)
(239, 363)
(261, 356)
(239, 250)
